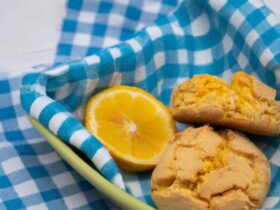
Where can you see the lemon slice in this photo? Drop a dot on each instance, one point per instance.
(132, 124)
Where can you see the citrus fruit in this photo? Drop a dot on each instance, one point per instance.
(132, 124)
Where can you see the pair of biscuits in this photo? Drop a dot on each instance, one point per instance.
(203, 168)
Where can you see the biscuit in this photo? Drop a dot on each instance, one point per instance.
(214, 170)
(247, 104)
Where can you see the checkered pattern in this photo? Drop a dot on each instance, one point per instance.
(32, 174)
(217, 37)
(92, 25)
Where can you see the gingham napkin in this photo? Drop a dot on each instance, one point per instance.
(216, 37)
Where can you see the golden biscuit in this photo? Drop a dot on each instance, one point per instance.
(247, 104)
(203, 169)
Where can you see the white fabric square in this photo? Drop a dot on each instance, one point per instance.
(227, 75)
(101, 157)
(277, 73)
(91, 85)
(79, 137)
(135, 45)
(75, 201)
(159, 59)
(116, 20)
(135, 188)
(154, 32)
(115, 52)
(217, 4)
(257, 3)
(49, 158)
(270, 202)
(176, 29)
(152, 6)
(159, 86)
(116, 79)
(140, 73)
(237, 19)
(63, 180)
(87, 17)
(82, 39)
(242, 60)
(1, 127)
(92, 59)
(63, 92)
(41, 206)
(275, 159)
(40, 89)
(15, 97)
(181, 80)
(38, 105)
(266, 56)
(57, 120)
(227, 43)
(200, 26)
(203, 57)
(57, 71)
(252, 37)
(182, 56)
(123, 2)
(12, 165)
(26, 188)
(23, 123)
(272, 19)
(109, 41)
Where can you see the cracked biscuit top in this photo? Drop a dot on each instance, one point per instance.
(214, 170)
(247, 104)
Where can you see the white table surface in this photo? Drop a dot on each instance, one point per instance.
(30, 31)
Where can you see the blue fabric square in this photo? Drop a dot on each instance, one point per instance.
(169, 2)
(269, 36)
(126, 34)
(99, 29)
(69, 26)
(7, 113)
(64, 49)
(14, 135)
(76, 4)
(25, 150)
(50, 195)
(14, 204)
(4, 86)
(4, 182)
(98, 205)
(38, 172)
(133, 13)
(92, 50)
(105, 7)
(255, 18)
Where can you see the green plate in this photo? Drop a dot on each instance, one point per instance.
(116, 195)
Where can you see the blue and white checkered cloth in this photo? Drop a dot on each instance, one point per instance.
(217, 37)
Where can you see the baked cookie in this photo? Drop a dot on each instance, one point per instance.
(204, 169)
(247, 104)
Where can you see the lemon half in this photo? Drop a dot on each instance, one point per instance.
(132, 124)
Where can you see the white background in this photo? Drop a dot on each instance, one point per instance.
(30, 31)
